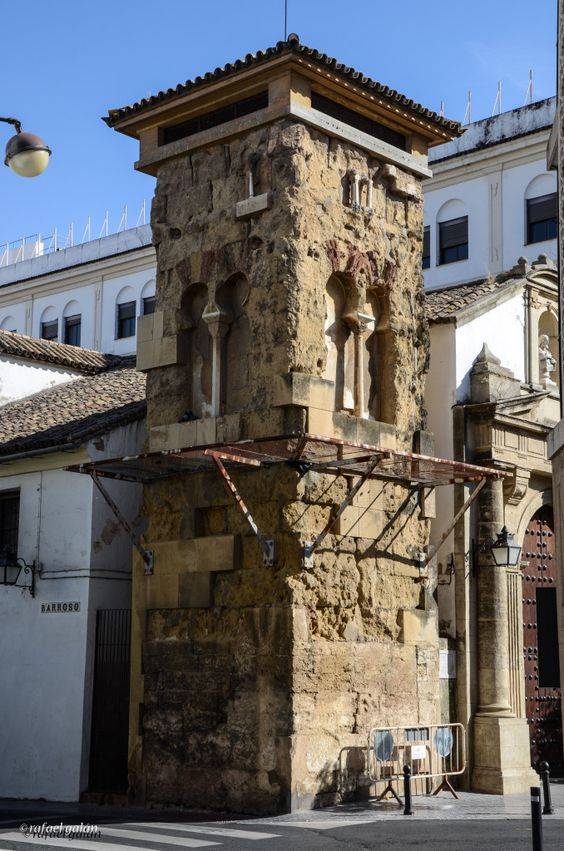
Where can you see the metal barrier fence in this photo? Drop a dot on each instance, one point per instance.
(431, 751)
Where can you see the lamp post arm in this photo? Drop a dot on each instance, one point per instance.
(17, 124)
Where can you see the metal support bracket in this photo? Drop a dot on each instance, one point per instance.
(311, 546)
(474, 495)
(148, 556)
(266, 544)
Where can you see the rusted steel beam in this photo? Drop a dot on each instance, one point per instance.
(146, 555)
(309, 549)
(267, 545)
(475, 493)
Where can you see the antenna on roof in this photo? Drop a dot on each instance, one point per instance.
(468, 114)
(529, 92)
(285, 20)
(86, 234)
(442, 109)
(141, 216)
(497, 104)
(105, 225)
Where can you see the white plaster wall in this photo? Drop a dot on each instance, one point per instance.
(42, 663)
(440, 396)
(19, 378)
(472, 195)
(502, 328)
(138, 282)
(13, 316)
(46, 661)
(496, 228)
(515, 183)
(84, 297)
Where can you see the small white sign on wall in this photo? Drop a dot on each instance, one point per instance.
(447, 664)
(56, 608)
(418, 752)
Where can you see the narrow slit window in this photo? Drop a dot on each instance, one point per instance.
(426, 247)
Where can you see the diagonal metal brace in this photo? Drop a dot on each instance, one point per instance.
(266, 544)
(475, 493)
(310, 547)
(146, 555)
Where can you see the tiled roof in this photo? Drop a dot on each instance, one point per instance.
(73, 412)
(48, 351)
(442, 304)
(291, 46)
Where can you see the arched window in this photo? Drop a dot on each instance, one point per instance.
(231, 361)
(9, 324)
(148, 299)
(452, 232)
(126, 310)
(72, 323)
(541, 209)
(199, 384)
(339, 365)
(49, 324)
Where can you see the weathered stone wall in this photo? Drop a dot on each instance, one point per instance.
(257, 682)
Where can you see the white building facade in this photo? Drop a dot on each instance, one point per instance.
(88, 295)
(491, 199)
(492, 397)
(61, 725)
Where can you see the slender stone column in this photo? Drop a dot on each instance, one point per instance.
(218, 323)
(493, 631)
(502, 762)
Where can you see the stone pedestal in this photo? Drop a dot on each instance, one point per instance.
(502, 756)
(501, 763)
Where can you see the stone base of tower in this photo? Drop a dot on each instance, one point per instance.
(502, 760)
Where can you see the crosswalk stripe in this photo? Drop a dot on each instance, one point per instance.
(149, 836)
(212, 831)
(69, 844)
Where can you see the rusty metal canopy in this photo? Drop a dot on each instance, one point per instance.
(303, 451)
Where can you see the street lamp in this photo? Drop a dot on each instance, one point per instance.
(26, 153)
(10, 569)
(504, 551)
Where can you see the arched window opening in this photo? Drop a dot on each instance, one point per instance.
(72, 324)
(126, 310)
(148, 298)
(230, 330)
(452, 232)
(49, 324)
(9, 324)
(199, 395)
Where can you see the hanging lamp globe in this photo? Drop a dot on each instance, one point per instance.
(27, 154)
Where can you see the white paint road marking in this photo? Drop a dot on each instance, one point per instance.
(69, 844)
(212, 831)
(148, 836)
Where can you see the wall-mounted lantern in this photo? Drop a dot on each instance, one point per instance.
(12, 568)
(504, 550)
(26, 153)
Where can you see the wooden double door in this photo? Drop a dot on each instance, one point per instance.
(540, 641)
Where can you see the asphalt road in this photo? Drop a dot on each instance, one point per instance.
(439, 835)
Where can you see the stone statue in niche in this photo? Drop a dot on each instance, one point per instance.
(547, 362)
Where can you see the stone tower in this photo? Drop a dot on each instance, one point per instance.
(287, 221)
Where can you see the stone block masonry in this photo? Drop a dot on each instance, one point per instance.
(289, 300)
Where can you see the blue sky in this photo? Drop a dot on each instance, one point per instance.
(63, 64)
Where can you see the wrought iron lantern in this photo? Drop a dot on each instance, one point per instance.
(504, 550)
(12, 567)
(26, 153)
